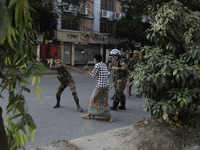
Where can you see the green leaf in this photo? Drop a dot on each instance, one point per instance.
(37, 94)
(166, 21)
(3, 21)
(33, 135)
(23, 139)
(189, 99)
(154, 111)
(33, 80)
(16, 116)
(40, 89)
(12, 2)
(185, 101)
(9, 38)
(23, 80)
(20, 107)
(186, 73)
(148, 36)
(164, 108)
(28, 74)
(6, 84)
(175, 72)
(26, 89)
(163, 80)
(196, 61)
(181, 104)
(38, 78)
(170, 107)
(18, 139)
(180, 99)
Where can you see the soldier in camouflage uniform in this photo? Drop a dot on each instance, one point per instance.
(121, 80)
(131, 66)
(113, 63)
(65, 80)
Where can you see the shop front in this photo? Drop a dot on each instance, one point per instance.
(84, 53)
(78, 48)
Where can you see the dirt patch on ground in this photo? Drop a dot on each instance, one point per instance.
(148, 134)
(156, 134)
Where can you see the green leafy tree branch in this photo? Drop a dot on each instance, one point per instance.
(17, 41)
(170, 79)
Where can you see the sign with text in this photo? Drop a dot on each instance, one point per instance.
(39, 38)
(80, 37)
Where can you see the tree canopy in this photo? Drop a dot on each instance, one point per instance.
(139, 14)
(169, 79)
(45, 16)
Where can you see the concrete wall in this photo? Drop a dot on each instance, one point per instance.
(97, 14)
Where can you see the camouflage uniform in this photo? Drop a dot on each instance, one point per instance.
(120, 85)
(131, 66)
(65, 80)
(114, 72)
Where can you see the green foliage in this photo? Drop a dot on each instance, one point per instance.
(169, 78)
(45, 16)
(132, 29)
(17, 41)
(133, 24)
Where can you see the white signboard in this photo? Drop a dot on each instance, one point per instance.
(39, 38)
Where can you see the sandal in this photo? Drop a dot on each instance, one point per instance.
(85, 116)
(110, 119)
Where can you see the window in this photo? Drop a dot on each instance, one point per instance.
(107, 5)
(106, 27)
(70, 24)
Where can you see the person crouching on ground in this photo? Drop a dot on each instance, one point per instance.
(98, 105)
(65, 80)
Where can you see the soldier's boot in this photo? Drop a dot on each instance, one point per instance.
(115, 104)
(130, 92)
(122, 102)
(57, 104)
(78, 107)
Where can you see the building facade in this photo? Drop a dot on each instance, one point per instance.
(79, 42)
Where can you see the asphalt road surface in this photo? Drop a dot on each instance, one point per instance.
(65, 123)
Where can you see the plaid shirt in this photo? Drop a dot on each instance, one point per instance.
(102, 72)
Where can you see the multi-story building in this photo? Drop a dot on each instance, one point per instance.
(79, 42)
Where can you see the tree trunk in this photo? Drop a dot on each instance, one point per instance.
(3, 138)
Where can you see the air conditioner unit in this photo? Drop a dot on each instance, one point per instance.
(67, 8)
(117, 16)
(70, 8)
(83, 10)
(104, 14)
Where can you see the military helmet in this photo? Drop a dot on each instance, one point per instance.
(56, 58)
(136, 52)
(116, 52)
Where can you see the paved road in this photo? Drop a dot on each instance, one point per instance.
(65, 123)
